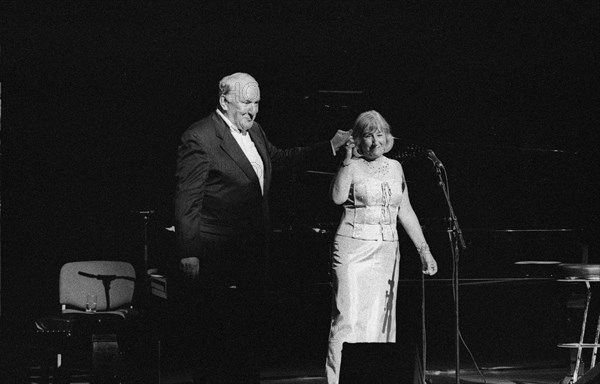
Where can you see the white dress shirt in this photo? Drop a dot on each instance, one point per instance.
(249, 149)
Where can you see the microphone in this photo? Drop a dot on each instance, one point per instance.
(431, 156)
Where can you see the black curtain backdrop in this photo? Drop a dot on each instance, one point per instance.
(96, 94)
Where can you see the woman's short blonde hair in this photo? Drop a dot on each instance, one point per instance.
(369, 122)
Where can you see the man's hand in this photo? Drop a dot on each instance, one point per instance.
(190, 266)
(340, 138)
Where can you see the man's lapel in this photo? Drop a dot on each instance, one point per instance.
(232, 148)
(258, 138)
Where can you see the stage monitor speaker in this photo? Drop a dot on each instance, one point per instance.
(379, 363)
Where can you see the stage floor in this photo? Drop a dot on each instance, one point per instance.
(296, 370)
(490, 375)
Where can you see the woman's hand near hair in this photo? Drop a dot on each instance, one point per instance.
(349, 148)
(340, 186)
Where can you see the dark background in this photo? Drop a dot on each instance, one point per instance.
(96, 94)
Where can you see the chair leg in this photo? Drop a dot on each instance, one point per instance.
(49, 354)
(48, 367)
(61, 374)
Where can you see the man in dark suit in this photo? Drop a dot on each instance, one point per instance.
(224, 169)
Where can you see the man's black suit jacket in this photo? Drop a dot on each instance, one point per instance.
(218, 198)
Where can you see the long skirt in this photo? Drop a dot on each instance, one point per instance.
(364, 288)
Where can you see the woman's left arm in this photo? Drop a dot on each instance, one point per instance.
(410, 222)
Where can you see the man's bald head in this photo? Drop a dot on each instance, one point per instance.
(239, 85)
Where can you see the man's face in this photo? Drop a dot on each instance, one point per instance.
(241, 103)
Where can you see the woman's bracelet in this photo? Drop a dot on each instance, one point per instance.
(423, 248)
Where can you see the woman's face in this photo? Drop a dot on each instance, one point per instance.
(372, 144)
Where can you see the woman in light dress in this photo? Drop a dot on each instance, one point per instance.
(366, 256)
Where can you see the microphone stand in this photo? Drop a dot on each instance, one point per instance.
(146, 295)
(145, 283)
(146, 216)
(458, 243)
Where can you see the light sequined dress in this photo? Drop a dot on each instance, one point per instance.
(365, 260)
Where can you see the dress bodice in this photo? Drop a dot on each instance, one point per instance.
(371, 210)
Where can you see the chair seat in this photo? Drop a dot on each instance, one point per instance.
(77, 322)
